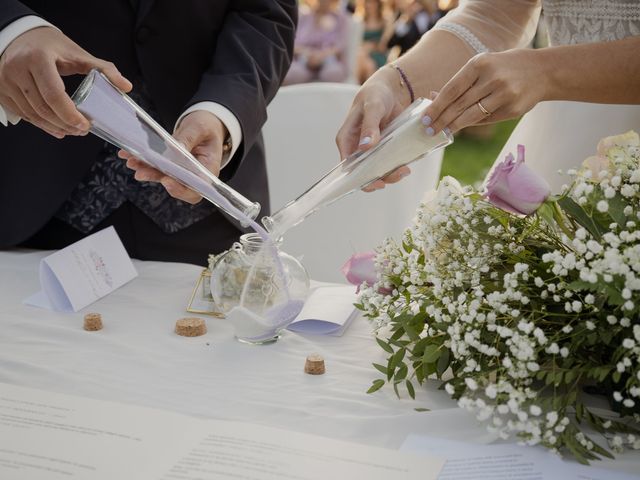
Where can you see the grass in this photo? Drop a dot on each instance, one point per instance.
(469, 158)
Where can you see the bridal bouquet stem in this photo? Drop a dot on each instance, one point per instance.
(520, 302)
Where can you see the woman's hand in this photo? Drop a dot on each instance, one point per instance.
(202, 133)
(379, 101)
(491, 87)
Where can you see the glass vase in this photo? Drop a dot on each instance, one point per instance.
(259, 288)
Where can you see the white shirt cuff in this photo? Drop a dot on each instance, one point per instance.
(7, 35)
(226, 117)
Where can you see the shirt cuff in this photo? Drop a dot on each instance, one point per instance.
(226, 117)
(7, 35)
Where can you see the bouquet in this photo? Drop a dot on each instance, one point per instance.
(520, 302)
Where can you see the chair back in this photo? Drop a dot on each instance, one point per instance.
(300, 149)
(356, 30)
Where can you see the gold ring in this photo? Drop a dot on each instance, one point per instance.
(482, 109)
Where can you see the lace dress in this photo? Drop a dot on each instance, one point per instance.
(557, 135)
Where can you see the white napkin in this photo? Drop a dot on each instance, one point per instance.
(328, 311)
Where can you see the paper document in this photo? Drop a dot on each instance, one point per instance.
(328, 311)
(48, 436)
(84, 272)
(467, 461)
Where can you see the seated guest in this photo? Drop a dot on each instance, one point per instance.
(373, 52)
(320, 44)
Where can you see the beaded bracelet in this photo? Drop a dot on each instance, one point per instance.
(404, 81)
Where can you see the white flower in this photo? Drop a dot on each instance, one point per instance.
(471, 383)
(628, 343)
(553, 349)
(491, 391)
(602, 206)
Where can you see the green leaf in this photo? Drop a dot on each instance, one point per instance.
(410, 389)
(602, 451)
(575, 448)
(616, 376)
(381, 368)
(377, 385)
(397, 358)
(395, 389)
(431, 353)
(421, 409)
(581, 216)
(385, 346)
(545, 212)
(443, 362)
(616, 210)
(401, 374)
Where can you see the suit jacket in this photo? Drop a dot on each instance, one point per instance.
(233, 52)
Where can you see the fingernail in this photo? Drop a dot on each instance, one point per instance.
(426, 120)
(365, 141)
(447, 130)
(429, 131)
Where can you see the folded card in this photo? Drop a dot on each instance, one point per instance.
(83, 272)
(328, 311)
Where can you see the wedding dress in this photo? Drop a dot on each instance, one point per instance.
(557, 135)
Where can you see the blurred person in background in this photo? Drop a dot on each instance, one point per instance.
(320, 45)
(413, 19)
(373, 52)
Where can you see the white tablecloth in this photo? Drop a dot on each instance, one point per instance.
(138, 359)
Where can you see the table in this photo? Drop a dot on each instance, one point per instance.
(137, 359)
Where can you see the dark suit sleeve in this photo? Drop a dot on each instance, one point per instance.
(253, 53)
(11, 11)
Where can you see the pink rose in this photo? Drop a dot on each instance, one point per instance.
(361, 268)
(516, 188)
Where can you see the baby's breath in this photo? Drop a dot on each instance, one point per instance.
(523, 311)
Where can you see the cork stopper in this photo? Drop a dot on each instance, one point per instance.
(314, 365)
(191, 327)
(92, 322)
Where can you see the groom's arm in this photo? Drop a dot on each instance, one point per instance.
(253, 53)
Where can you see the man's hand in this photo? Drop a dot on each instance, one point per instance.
(203, 134)
(31, 85)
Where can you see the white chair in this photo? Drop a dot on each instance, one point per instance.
(300, 148)
(356, 29)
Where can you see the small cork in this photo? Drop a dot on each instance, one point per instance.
(92, 322)
(191, 327)
(314, 365)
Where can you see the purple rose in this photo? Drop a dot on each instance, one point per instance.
(360, 268)
(516, 188)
